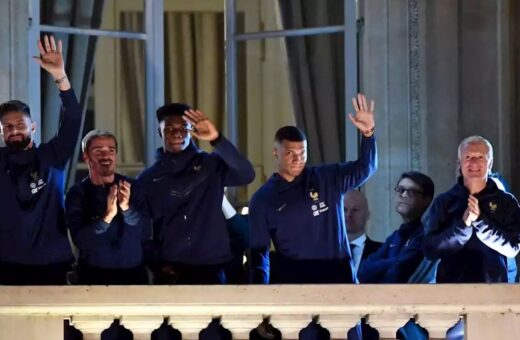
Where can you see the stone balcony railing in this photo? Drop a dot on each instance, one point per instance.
(490, 311)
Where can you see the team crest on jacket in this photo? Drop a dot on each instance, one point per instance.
(37, 183)
(493, 207)
(317, 207)
(34, 176)
(314, 195)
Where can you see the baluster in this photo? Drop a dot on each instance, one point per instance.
(241, 325)
(91, 325)
(141, 326)
(190, 325)
(290, 324)
(387, 324)
(339, 324)
(437, 324)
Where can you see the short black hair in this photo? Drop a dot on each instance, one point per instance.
(289, 133)
(172, 109)
(14, 106)
(422, 180)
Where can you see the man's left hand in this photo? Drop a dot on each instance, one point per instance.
(204, 128)
(123, 195)
(364, 117)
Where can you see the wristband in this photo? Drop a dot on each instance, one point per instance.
(57, 81)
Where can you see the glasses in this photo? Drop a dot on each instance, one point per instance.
(410, 192)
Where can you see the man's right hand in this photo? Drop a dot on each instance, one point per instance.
(111, 205)
(472, 211)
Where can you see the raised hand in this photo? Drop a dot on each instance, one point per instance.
(51, 58)
(111, 204)
(204, 128)
(364, 117)
(123, 195)
(472, 211)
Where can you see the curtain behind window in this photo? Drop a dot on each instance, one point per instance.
(317, 81)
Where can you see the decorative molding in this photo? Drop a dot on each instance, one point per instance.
(414, 84)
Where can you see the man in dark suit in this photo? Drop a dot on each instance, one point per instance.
(356, 217)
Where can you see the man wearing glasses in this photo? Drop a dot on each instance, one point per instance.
(401, 254)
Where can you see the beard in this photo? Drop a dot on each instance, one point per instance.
(19, 145)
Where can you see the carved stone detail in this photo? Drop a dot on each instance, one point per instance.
(414, 83)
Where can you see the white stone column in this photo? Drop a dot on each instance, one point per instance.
(386, 75)
(14, 53)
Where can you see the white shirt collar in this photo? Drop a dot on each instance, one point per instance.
(360, 241)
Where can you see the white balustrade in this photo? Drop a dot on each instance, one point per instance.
(490, 311)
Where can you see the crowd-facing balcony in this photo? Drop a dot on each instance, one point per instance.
(489, 311)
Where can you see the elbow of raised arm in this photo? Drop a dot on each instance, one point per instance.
(245, 175)
(250, 174)
(373, 166)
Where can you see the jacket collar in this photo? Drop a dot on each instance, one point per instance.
(180, 158)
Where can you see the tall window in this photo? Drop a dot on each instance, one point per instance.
(250, 65)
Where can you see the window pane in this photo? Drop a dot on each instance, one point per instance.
(110, 87)
(194, 62)
(98, 14)
(288, 81)
(289, 14)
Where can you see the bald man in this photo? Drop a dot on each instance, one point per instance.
(356, 217)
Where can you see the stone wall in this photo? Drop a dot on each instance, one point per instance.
(439, 71)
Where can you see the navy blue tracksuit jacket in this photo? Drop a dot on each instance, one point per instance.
(397, 259)
(114, 245)
(184, 193)
(478, 253)
(32, 216)
(305, 220)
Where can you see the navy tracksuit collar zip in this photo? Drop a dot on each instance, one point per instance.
(407, 229)
(460, 190)
(21, 157)
(117, 178)
(282, 184)
(182, 157)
